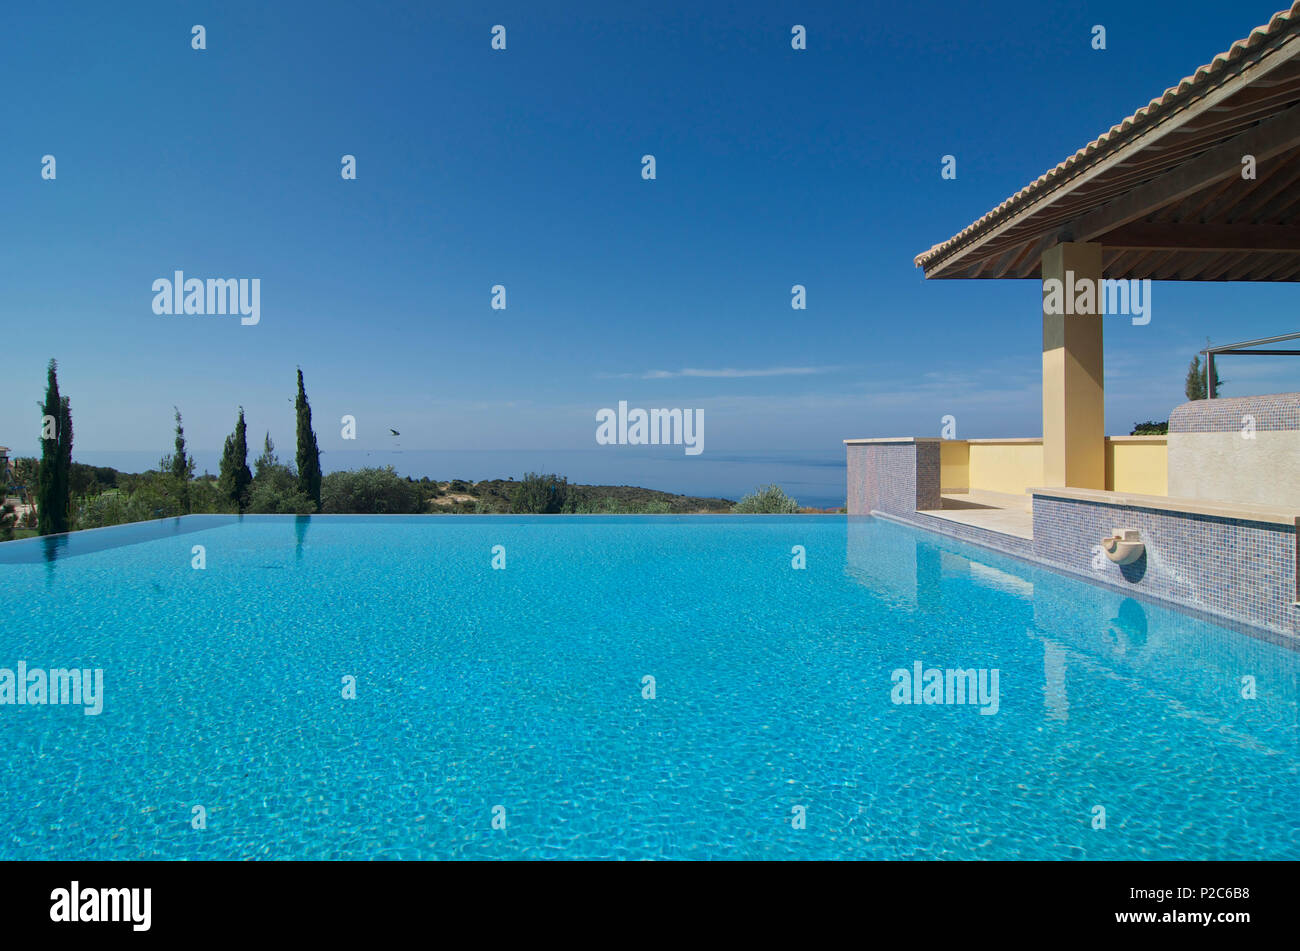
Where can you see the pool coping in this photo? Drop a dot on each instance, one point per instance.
(1173, 505)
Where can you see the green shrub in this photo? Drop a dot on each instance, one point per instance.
(766, 500)
(148, 495)
(611, 506)
(539, 494)
(1150, 428)
(88, 480)
(112, 507)
(206, 498)
(270, 499)
(163, 496)
(370, 491)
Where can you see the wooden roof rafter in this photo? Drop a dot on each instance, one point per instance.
(1165, 187)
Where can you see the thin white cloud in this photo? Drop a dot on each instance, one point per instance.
(728, 373)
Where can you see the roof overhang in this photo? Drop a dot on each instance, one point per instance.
(1164, 191)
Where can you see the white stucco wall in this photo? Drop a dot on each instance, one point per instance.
(1230, 467)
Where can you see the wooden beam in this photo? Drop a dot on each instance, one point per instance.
(1239, 190)
(1280, 263)
(1247, 268)
(1226, 263)
(1183, 236)
(1192, 264)
(1257, 65)
(1264, 141)
(1194, 207)
(1282, 211)
(1261, 202)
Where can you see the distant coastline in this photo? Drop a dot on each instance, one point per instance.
(103, 496)
(815, 477)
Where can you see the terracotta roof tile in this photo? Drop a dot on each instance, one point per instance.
(1173, 97)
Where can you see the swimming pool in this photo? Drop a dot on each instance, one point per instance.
(517, 697)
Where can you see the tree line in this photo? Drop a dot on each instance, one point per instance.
(235, 480)
(174, 489)
(70, 495)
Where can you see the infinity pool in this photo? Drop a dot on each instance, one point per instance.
(518, 697)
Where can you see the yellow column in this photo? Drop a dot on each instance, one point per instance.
(1074, 406)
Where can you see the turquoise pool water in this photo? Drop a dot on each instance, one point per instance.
(523, 689)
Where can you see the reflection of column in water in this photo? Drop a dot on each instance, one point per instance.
(929, 577)
(1054, 698)
(300, 533)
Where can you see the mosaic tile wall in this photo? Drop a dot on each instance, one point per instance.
(1279, 411)
(1240, 569)
(900, 478)
(927, 475)
(883, 477)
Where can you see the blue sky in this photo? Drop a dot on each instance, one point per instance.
(522, 167)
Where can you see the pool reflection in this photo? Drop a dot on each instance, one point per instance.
(1174, 663)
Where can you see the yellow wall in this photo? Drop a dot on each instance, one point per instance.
(994, 465)
(1137, 464)
(954, 465)
(1006, 466)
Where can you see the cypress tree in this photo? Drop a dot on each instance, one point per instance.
(235, 477)
(182, 465)
(1194, 386)
(1197, 385)
(308, 451)
(267, 460)
(226, 471)
(52, 485)
(65, 460)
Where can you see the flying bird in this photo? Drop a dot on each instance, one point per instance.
(394, 432)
